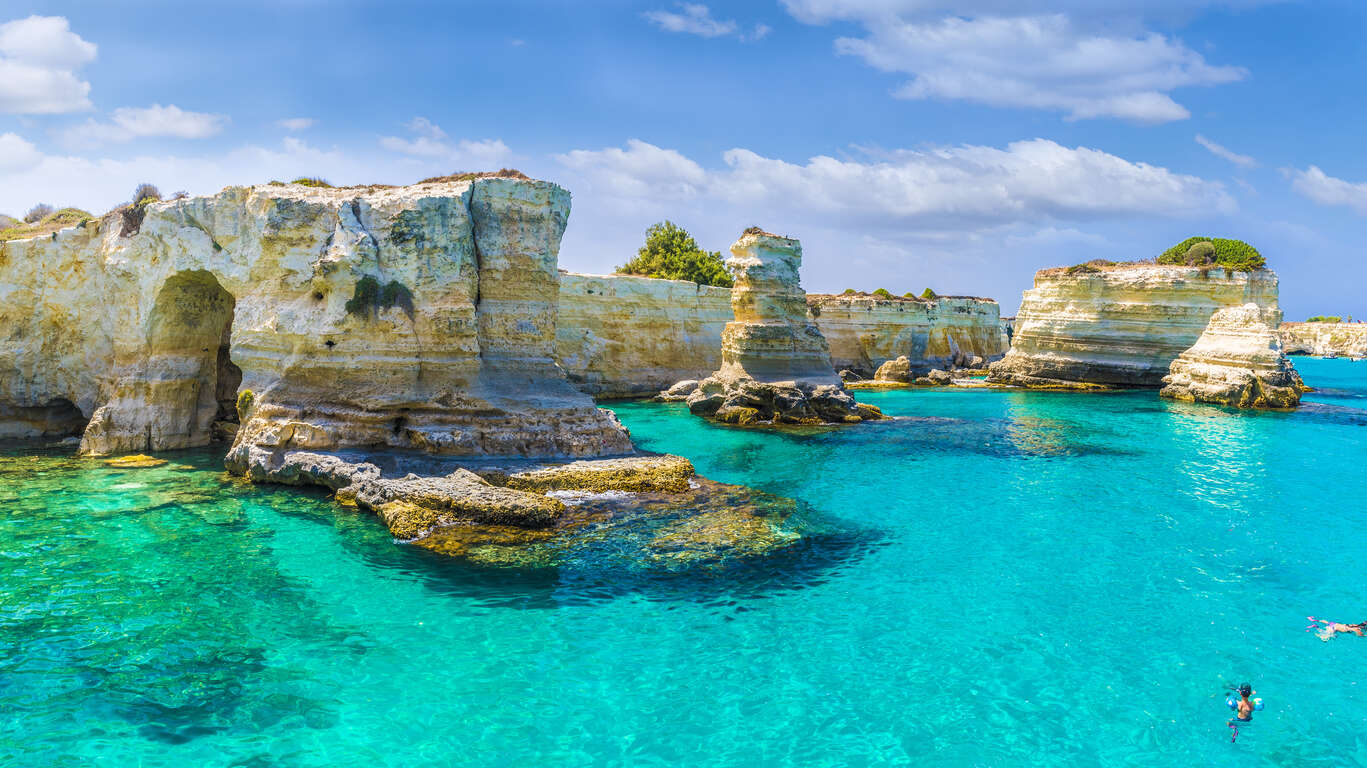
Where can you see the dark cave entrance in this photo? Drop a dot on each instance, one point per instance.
(189, 341)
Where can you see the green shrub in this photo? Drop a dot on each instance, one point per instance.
(1220, 252)
(671, 253)
(850, 292)
(882, 293)
(245, 398)
(929, 294)
(1088, 267)
(146, 193)
(312, 181)
(1324, 319)
(369, 296)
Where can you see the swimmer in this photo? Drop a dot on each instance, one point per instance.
(1244, 711)
(1332, 628)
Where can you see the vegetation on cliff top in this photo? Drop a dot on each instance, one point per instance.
(66, 217)
(670, 253)
(1326, 319)
(1216, 252)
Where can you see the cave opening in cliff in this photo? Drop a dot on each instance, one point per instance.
(189, 341)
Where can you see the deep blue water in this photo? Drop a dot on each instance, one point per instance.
(1004, 579)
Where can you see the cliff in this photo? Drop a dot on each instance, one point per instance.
(420, 317)
(1238, 361)
(1121, 325)
(625, 336)
(1337, 339)
(947, 332)
(775, 364)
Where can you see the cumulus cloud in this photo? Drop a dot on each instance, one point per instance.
(1223, 153)
(17, 154)
(429, 141)
(296, 124)
(128, 123)
(39, 57)
(955, 187)
(1327, 190)
(1040, 62)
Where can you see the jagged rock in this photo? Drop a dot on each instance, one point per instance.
(936, 378)
(679, 392)
(411, 505)
(1119, 326)
(262, 465)
(775, 364)
(1238, 362)
(1336, 339)
(864, 331)
(895, 370)
(412, 318)
(667, 474)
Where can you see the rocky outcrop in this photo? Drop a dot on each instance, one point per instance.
(628, 336)
(415, 318)
(1121, 325)
(1238, 361)
(775, 362)
(866, 331)
(1332, 339)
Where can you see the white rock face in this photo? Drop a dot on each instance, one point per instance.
(419, 317)
(1338, 339)
(947, 332)
(1238, 361)
(624, 336)
(1122, 325)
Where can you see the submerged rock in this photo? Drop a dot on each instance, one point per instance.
(137, 461)
(1238, 362)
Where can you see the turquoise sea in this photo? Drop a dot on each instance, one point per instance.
(1000, 579)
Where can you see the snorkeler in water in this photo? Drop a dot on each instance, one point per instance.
(1243, 708)
(1332, 628)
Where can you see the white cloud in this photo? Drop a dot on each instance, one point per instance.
(1222, 152)
(431, 142)
(16, 154)
(695, 19)
(128, 123)
(956, 188)
(296, 124)
(1040, 62)
(39, 57)
(1327, 190)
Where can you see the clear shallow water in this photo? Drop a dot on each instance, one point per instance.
(1012, 578)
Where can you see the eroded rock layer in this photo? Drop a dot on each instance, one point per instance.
(775, 365)
(947, 332)
(1121, 325)
(1238, 361)
(419, 317)
(625, 336)
(1333, 339)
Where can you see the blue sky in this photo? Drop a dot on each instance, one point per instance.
(908, 143)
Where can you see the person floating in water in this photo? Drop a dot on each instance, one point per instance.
(1244, 708)
(1332, 628)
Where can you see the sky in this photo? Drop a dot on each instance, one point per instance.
(953, 144)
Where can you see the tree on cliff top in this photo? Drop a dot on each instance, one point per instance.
(672, 254)
(1221, 252)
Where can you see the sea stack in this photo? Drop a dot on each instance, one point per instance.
(1238, 361)
(776, 365)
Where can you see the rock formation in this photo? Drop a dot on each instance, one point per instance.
(1238, 361)
(628, 336)
(419, 317)
(1121, 325)
(775, 362)
(1334, 339)
(865, 331)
